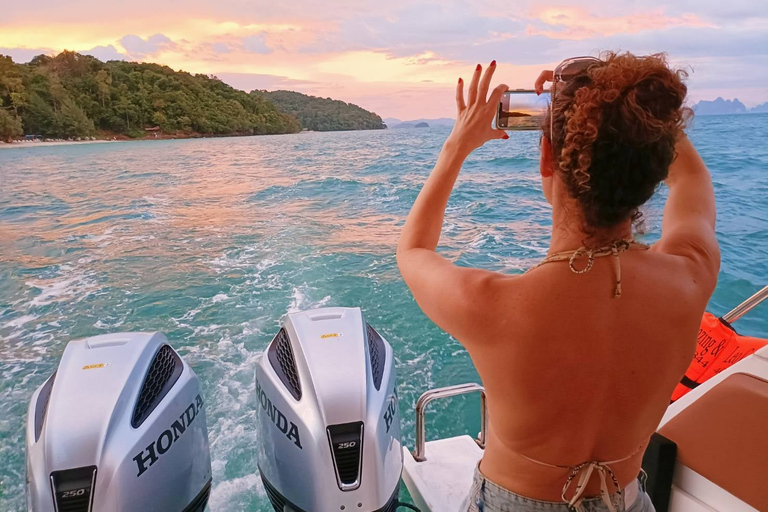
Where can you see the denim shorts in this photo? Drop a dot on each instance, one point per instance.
(486, 496)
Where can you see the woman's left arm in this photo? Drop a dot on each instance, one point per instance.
(450, 295)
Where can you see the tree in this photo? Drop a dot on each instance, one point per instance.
(40, 60)
(12, 92)
(104, 81)
(71, 121)
(39, 117)
(19, 100)
(159, 119)
(125, 108)
(10, 126)
(185, 124)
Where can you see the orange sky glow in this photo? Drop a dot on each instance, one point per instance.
(400, 60)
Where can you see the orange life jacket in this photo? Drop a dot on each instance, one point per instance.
(719, 346)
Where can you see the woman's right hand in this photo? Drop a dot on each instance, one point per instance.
(474, 120)
(546, 76)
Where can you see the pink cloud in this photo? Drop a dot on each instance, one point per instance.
(578, 23)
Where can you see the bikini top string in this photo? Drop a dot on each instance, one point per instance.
(613, 249)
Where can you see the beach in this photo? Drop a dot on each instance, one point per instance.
(46, 144)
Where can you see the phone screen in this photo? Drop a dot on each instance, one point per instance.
(522, 110)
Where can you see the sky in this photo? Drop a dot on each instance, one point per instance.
(399, 58)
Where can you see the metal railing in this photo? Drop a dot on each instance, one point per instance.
(434, 394)
(744, 308)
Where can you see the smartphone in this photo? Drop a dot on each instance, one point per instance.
(522, 109)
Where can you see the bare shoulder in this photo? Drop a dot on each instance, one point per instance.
(694, 258)
(687, 267)
(463, 301)
(489, 306)
(498, 293)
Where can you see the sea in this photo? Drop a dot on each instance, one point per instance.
(212, 241)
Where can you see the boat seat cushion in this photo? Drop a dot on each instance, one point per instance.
(722, 436)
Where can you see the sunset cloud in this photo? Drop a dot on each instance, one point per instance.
(138, 48)
(399, 58)
(578, 23)
(257, 43)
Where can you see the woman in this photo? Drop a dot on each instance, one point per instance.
(580, 354)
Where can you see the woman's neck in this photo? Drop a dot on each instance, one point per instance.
(568, 232)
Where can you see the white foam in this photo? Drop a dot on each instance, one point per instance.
(75, 284)
(189, 315)
(223, 494)
(204, 330)
(162, 200)
(232, 422)
(300, 301)
(18, 322)
(101, 240)
(219, 297)
(242, 259)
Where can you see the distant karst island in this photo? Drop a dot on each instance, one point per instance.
(720, 106)
(395, 123)
(420, 124)
(74, 96)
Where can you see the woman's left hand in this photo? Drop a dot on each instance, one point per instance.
(474, 121)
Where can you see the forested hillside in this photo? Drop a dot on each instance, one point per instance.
(73, 95)
(323, 114)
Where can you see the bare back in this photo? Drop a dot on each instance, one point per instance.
(573, 374)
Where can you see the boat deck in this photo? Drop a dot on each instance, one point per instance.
(442, 481)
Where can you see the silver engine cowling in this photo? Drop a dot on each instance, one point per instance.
(120, 426)
(329, 424)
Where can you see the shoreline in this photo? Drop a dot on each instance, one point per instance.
(122, 138)
(14, 145)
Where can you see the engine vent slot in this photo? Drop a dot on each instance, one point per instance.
(347, 447)
(41, 407)
(163, 373)
(73, 489)
(378, 355)
(281, 358)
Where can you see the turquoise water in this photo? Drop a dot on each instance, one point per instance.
(211, 241)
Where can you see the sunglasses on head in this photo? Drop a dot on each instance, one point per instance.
(564, 72)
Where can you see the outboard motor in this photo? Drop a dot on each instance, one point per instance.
(120, 426)
(328, 415)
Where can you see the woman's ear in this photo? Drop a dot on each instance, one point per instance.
(545, 162)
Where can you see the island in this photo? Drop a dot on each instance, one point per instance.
(73, 96)
(322, 114)
(720, 106)
(411, 124)
(441, 122)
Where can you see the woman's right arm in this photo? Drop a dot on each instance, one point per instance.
(688, 226)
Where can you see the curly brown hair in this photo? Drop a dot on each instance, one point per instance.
(615, 128)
